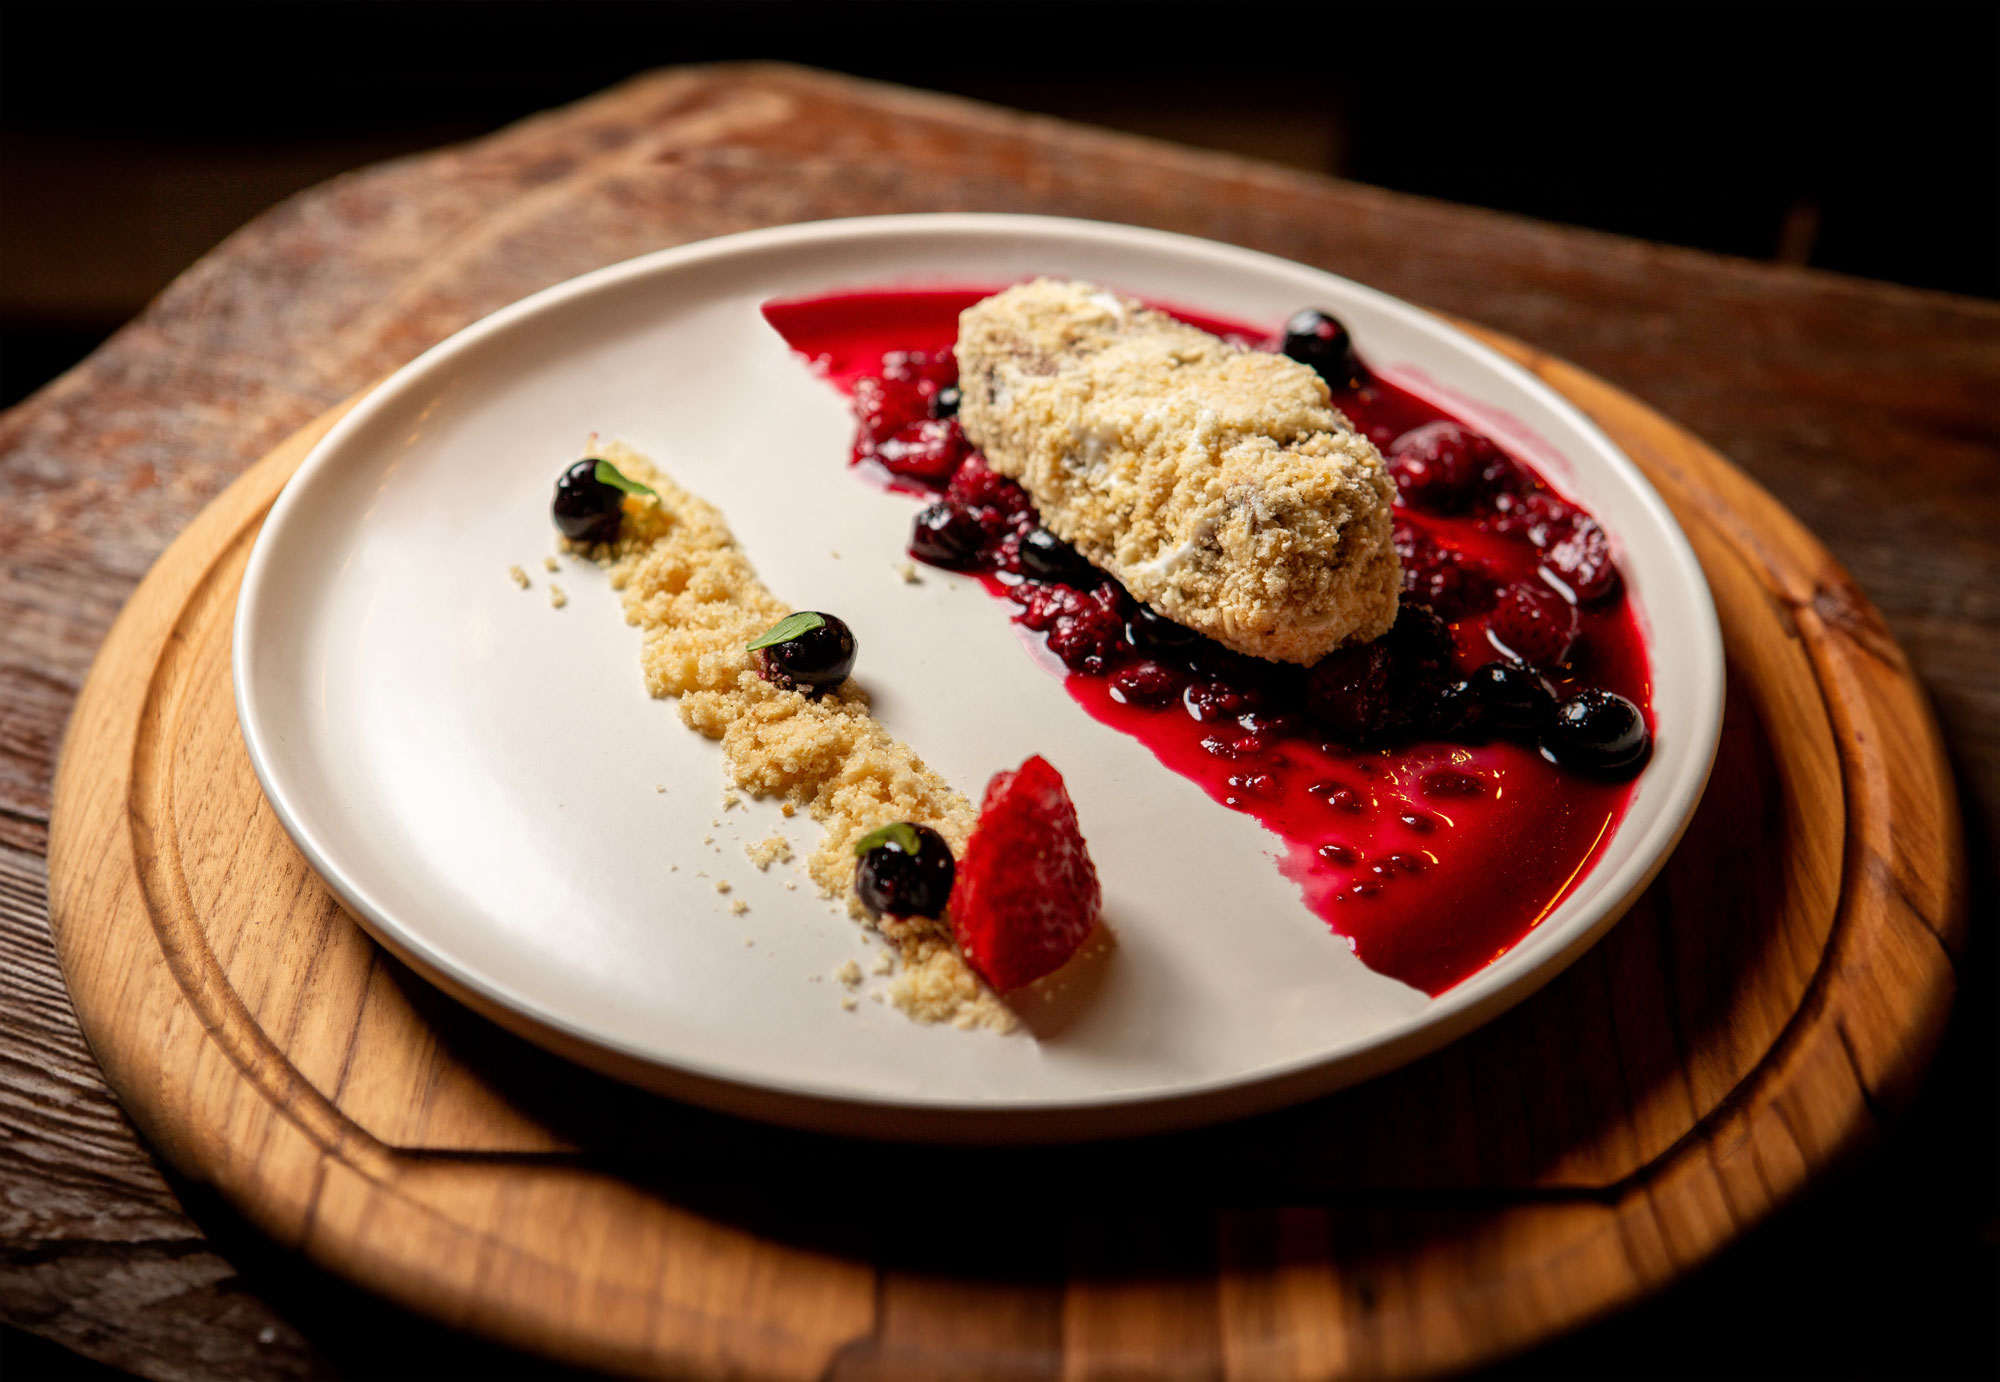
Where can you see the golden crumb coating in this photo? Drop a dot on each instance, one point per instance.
(697, 600)
(1219, 484)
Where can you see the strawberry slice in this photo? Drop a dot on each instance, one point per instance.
(1027, 893)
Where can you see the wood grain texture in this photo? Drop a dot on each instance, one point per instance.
(1873, 411)
(1785, 979)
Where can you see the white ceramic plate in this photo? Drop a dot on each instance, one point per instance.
(475, 773)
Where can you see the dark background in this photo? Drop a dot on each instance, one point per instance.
(1857, 138)
(1860, 139)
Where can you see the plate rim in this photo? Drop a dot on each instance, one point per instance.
(808, 1104)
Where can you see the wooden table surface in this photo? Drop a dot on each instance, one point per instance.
(1873, 411)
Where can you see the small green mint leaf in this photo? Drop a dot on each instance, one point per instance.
(609, 474)
(899, 833)
(786, 629)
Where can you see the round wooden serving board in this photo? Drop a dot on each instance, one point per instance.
(1778, 988)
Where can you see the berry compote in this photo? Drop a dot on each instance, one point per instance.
(1423, 817)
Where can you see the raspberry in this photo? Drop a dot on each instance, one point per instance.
(1086, 638)
(1534, 512)
(1027, 894)
(900, 423)
(1209, 701)
(1085, 627)
(927, 450)
(1454, 585)
(1580, 555)
(1533, 623)
(977, 487)
(1443, 467)
(885, 407)
(928, 371)
(1447, 580)
(1145, 683)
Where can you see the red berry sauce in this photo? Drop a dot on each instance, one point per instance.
(1432, 858)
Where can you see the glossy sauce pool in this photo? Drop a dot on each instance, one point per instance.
(1431, 859)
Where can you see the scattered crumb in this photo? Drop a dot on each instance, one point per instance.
(832, 553)
(786, 809)
(673, 868)
(749, 940)
(708, 839)
(730, 799)
(518, 576)
(814, 977)
(882, 964)
(849, 973)
(738, 906)
(556, 596)
(876, 996)
(701, 873)
(661, 788)
(848, 1002)
(908, 571)
(723, 885)
(791, 885)
(551, 564)
(696, 599)
(773, 848)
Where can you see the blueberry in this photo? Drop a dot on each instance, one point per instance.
(944, 403)
(948, 535)
(1047, 557)
(1514, 696)
(807, 651)
(1316, 338)
(1598, 731)
(585, 508)
(905, 871)
(1148, 628)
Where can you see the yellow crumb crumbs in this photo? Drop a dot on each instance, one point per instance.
(849, 973)
(730, 799)
(908, 571)
(848, 1002)
(786, 809)
(697, 601)
(738, 906)
(723, 885)
(518, 576)
(556, 596)
(882, 963)
(551, 564)
(772, 849)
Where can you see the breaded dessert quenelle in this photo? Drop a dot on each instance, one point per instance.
(1218, 484)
